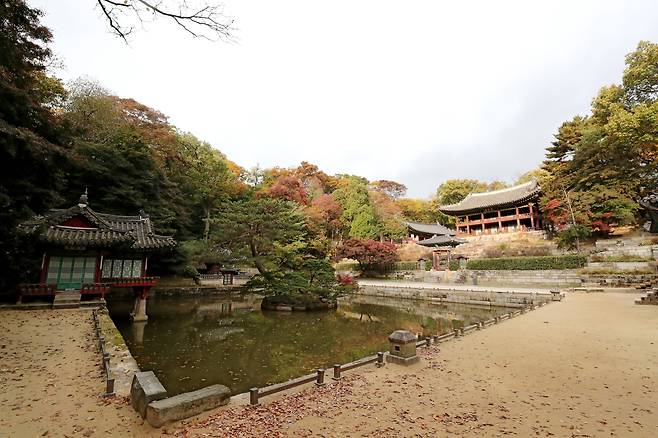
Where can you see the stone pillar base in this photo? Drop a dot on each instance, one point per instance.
(139, 312)
(402, 360)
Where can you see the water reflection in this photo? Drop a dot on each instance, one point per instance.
(198, 341)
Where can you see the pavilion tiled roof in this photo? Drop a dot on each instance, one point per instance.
(109, 230)
(441, 241)
(496, 199)
(435, 229)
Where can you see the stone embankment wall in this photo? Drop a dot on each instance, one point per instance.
(552, 278)
(546, 278)
(621, 266)
(471, 297)
(122, 364)
(611, 248)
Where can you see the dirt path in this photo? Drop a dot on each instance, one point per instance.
(586, 367)
(51, 380)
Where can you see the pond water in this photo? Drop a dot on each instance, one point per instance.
(192, 342)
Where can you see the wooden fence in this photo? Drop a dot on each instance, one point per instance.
(109, 379)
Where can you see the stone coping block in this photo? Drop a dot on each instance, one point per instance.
(402, 337)
(402, 360)
(186, 405)
(145, 388)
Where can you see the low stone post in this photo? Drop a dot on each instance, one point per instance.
(336, 372)
(402, 348)
(380, 358)
(456, 333)
(428, 341)
(109, 389)
(320, 379)
(253, 396)
(496, 319)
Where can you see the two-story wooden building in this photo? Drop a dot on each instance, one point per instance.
(87, 252)
(500, 211)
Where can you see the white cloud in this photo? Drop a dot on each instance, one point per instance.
(414, 91)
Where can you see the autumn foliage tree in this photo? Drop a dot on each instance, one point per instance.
(288, 188)
(606, 161)
(392, 189)
(372, 255)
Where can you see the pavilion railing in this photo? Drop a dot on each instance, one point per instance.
(95, 288)
(132, 281)
(37, 289)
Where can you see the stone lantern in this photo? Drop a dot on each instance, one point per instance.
(402, 348)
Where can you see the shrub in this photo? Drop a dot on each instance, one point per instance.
(190, 271)
(348, 265)
(371, 254)
(528, 263)
(493, 252)
(569, 238)
(406, 266)
(536, 251)
(345, 279)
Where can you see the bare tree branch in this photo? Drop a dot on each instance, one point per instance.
(196, 17)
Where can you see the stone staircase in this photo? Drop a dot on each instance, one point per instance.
(651, 282)
(67, 300)
(651, 298)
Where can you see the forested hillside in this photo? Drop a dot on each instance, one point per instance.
(59, 139)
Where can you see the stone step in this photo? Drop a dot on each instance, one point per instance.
(67, 299)
(67, 305)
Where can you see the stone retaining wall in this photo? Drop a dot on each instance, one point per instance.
(470, 297)
(622, 266)
(122, 364)
(545, 278)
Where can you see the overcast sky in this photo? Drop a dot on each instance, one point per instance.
(413, 91)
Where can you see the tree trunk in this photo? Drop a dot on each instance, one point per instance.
(254, 255)
(206, 226)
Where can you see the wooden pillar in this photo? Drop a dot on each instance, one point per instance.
(99, 266)
(500, 222)
(45, 262)
(532, 216)
(518, 221)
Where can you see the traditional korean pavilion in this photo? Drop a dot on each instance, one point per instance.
(419, 232)
(500, 211)
(87, 253)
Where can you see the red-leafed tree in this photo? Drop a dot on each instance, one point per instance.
(371, 254)
(325, 214)
(289, 188)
